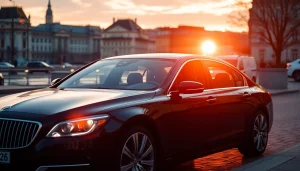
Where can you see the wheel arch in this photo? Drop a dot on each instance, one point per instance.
(144, 121)
(296, 70)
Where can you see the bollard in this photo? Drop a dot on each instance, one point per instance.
(27, 79)
(49, 78)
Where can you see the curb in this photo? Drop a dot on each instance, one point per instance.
(267, 160)
(285, 92)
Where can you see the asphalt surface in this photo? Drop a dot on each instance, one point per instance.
(284, 133)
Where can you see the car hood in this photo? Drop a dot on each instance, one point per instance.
(52, 101)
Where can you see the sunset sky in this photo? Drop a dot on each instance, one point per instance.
(211, 14)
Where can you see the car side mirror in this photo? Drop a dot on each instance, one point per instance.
(55, 81)
(190, 87)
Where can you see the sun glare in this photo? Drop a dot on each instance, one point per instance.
(208, 47)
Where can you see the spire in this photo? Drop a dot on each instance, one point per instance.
(49, 4)
(49, 16)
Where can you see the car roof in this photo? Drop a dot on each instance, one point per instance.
(156, 55)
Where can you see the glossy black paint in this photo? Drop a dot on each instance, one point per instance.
(185, 125)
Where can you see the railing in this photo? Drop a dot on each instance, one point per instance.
(23, 76)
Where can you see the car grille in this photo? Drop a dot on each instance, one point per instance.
(17, 133)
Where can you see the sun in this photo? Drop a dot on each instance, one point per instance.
(208, 47)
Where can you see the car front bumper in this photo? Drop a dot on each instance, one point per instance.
(61, 152)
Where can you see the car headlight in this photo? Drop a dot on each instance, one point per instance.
(77, 127)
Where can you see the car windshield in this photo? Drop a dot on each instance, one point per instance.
(45, 64)
(122, 74)
(231, 61)
(6, 64)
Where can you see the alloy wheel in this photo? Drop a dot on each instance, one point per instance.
(137, 154)
(260, 132)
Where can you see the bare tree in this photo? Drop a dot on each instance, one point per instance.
(275, 21)
(240, 14)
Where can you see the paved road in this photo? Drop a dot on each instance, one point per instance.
(285, 132)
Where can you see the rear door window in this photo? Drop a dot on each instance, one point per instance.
(220, 74)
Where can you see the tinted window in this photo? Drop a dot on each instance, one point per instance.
(127, 74)
(191, 71)
(238, 78)
(221, 75)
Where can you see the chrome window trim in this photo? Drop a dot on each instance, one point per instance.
(20, 120)
(43, 168)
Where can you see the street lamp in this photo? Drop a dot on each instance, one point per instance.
(12, 49)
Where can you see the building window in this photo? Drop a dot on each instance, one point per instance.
(295, 36)
(50, 40)
(41, 40)
(2, 43)
(24, 54)
(262, 37)
(294, 54)
(296, 12)
(24, 33)
(32, 40)
(37, 40)
(262, 54)
(32, 48)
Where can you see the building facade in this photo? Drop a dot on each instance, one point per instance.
(15, 35)
(188, 39)
(50, 42)
(262, 50)
(57, 43)
(125, 37)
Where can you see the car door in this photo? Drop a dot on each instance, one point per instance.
(233, 100)
(192, 115)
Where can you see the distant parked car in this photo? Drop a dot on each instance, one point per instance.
(39, 66)
(6, 65)
(67, 65)
(246, 64)
(294, 70)
(1, 80)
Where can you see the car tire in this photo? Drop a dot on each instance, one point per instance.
(256, 136)
(296, 76)
(143, 154)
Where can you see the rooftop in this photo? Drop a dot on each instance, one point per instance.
(54, 27)
(12, 12)
(127, 24)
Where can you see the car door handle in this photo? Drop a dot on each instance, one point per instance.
(211, 100)
(246, 95)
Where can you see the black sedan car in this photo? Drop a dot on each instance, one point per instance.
(39, 66)
(135, 112)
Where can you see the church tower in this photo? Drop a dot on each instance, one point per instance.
(49, 16)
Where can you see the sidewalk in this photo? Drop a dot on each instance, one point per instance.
(286, 160)
(293, 87)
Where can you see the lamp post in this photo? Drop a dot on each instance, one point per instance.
(12, 49)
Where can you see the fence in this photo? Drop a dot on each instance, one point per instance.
(21, 76)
